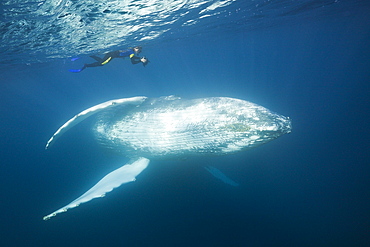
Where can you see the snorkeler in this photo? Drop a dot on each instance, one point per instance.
(131, 53)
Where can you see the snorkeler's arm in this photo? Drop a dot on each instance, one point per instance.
(135, 59)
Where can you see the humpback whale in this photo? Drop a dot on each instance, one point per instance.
(144, 128)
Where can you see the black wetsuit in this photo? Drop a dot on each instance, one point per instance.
(108, 57)
(114, 54)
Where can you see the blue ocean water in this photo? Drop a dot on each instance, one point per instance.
(308, 60)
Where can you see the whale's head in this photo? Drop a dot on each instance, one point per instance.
(235, 125)
(249, 125)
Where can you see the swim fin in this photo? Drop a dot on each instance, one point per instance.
(75, 70)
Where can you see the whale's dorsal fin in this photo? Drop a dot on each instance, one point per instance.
(90, 111)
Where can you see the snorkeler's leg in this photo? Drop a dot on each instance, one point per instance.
(109, 56)
(100, 60)
(78, 70)
(96, 64)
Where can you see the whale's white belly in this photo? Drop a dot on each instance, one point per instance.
(215, 125)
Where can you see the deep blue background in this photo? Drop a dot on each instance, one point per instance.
(308, 188)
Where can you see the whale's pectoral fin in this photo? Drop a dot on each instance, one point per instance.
(92, 110)
(218, 174)
(124, 174)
